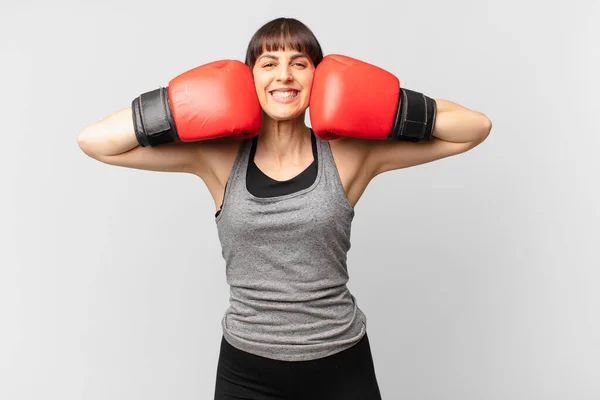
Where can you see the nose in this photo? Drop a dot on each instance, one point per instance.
(284, 75)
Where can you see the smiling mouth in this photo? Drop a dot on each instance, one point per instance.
(287, 94)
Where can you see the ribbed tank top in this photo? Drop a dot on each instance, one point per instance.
(285, 259)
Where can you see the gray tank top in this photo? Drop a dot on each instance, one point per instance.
(285, 259)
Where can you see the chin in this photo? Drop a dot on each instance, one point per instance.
(283, 116)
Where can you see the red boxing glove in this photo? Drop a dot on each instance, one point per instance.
(352, 98)
(210, 101)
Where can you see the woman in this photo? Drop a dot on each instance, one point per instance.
(284, 205)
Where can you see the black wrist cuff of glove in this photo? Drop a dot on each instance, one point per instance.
(415, 117)
(152, 119)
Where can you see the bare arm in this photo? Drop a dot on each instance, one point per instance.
(457, 130)
(112, 141)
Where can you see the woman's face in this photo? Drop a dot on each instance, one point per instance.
(283, 81)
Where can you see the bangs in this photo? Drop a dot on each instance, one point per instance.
(284, 34)
(280, 41)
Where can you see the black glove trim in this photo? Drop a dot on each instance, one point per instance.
(431, 115)
(138, 126)
(415, 117)
(153, 121)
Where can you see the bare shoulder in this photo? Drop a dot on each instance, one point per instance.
(347, 151)
(218, 157)
(350, 155)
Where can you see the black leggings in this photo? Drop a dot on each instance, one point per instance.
(347, 375)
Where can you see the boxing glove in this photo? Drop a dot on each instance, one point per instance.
(352, 98)
(213, 100)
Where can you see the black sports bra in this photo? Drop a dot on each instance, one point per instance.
(260, 185)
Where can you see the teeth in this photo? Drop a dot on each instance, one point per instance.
(289, 93)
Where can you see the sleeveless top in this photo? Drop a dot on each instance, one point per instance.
(285, 257)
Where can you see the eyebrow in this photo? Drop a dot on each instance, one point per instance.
(274, 57)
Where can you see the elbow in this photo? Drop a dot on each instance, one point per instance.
(84, 142)
(485, 128)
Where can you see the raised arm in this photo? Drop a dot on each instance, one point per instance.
(112, 141)
(166, 129)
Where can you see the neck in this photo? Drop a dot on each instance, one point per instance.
(284, 142)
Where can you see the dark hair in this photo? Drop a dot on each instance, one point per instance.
(282, 34)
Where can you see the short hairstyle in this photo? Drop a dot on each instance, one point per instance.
(282, 34)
